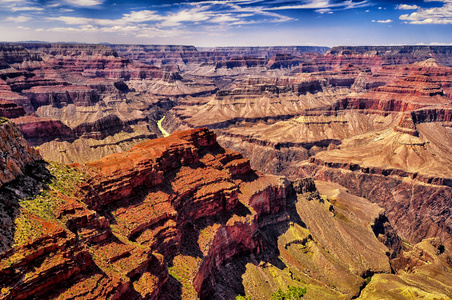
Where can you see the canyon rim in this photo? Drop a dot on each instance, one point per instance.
(312, 169)
(240, 149)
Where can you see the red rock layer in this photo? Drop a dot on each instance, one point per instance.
(376, 57)
(39, 130)
(61, 95)
(10, 110)
(93, 61)
(149, 196)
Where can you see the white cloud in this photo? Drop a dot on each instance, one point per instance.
(223, 18)
(141, 16)
(213, 14)
(153, 32)
(86, 28)
(187, 15)
(407, 6)
(434, 15)
(84, 2)
(133, 17)
(19, 19)
(26, 8)
(434, 44)
(120, 29)
(73, 20)
(277, 18)
(385, 21)
(324, 10)
(322, 4)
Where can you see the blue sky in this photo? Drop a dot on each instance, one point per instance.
(229, 22)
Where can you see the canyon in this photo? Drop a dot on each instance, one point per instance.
(321, 168)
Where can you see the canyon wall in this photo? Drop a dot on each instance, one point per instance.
(182, 217)
(16, 152)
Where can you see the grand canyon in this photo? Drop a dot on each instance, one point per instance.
(176, 172)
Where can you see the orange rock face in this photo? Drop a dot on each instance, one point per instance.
(115, 234)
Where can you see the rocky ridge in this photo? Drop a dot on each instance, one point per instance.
(181, 217)
(46, 81)
(371, 125)
(381, 132)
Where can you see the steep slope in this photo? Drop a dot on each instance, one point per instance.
(181, 217)
(384, 135)
(16, 152)
(79, 104)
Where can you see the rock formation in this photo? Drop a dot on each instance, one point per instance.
(16, 152)
(381, 132)
(362, 134)
(181, 217)
(77, 93)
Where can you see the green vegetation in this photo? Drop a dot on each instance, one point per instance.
(37, 213)
(292, 293)
(3, 120)
(66, 179)
(184, 270)
(240, 297)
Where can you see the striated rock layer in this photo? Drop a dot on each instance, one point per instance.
(182, 217)
(70, 94)
(16, 152)
(382, 132)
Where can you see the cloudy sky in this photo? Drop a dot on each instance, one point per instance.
(229, 22)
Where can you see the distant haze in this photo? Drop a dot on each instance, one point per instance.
(229, 23)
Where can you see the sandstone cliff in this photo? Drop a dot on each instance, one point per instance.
(181, 217)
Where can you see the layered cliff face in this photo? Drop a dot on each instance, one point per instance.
(125, 80)
(92, 61)
(383, 134)
(184, 56)
(136, 212)
(181, 217)
(268, 52)
(16, 152)
(11, 110)
(82, 117)
(397, 55)
(16, 156)
(160, 55)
